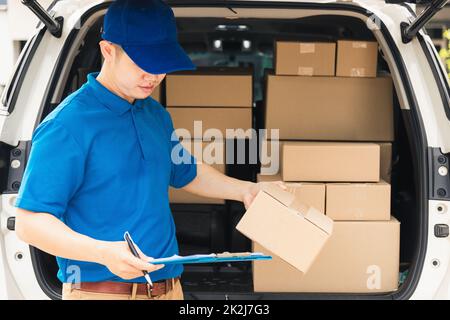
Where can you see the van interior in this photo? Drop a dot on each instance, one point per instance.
(207, 228)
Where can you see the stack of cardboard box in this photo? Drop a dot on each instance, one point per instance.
(336, 131)
(218, 99)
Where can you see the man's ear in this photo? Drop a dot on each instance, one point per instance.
(108, 51)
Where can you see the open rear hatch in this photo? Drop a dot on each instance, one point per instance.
(242, 34)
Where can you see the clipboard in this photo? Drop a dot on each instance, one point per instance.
(211, 258)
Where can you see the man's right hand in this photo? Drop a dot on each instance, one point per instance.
(117, 257)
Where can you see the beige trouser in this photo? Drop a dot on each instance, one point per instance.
(69, 293)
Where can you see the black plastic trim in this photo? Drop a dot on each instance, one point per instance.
(418, 146)
(439, 76)
(15, 175)
(439, 185)
(412, 120)
(280, 296)
(41, 276)
(9, 88)
(21, 71)
(408, 7)
(46, 104)
(441, 230)
(11, 223)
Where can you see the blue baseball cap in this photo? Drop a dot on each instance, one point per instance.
(147, 32)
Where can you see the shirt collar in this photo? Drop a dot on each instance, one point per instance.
(111, 100)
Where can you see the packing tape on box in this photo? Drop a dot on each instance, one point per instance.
(359, 45)
(358, 72)
(285, 197)
(307, 48)
(292, 202)
(305, 71)
(313, 215)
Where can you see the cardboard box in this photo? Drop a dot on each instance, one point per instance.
(305, 58)
(210, 87)
(293, 230)
(360, 257)
(269, 155)
(358, 201)
(212, 153)
(311, 194)
(330, 108)
(356, 58)
(330, 161)
(156, 94)
(270, 159)
(212, 118)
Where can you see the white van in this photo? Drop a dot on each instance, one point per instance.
(64, 49)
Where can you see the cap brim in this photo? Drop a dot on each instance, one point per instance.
(159, 58)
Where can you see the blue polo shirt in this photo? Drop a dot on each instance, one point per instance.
(103, 166)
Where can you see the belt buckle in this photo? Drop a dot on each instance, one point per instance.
(149, 290)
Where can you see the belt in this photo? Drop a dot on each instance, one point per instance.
(159, 287)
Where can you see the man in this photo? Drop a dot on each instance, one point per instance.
(100, 165)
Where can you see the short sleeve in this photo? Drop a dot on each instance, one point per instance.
(54, 171)
(183, 164)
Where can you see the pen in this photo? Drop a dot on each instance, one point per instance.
(130, 242)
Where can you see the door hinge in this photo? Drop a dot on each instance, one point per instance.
(410, 30)
(439, 174)
(54, 25)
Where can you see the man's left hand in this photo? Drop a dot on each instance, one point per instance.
(252, 190)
